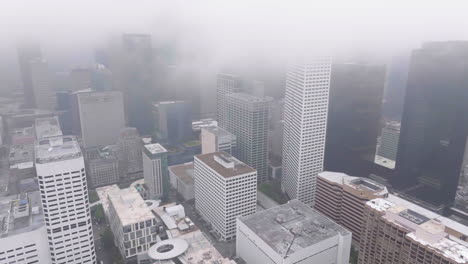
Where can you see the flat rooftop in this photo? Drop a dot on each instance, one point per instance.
(292, 227)
(21, 156)
(29, 219)
(358, 183)
(433, 224)
(155, 148)
(102, 153)
(184, 172)
(239, 168)
(220, 132)
(130, 206)
(47, 127)
(56, 149)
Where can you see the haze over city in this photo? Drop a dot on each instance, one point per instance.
(233, 132)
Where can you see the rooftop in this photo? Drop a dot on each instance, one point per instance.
(130, 206)
(47, 127)
(102, 153)
(21, 156)
(20, 213)
(292, 227)
(357, 183)
(430, 228)
(184, 172)
(220, 132)
(56, 149)
(155, 148)
(234, 168)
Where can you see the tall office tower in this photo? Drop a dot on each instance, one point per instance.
(134, 77)
(434, 125)
(305, 125)
(130, 146)
(101, 117)
(225, 188)
(80, 79)
(174, 121)
(353, 123)
(225, 84)
(155, 170)
(461, 197)
(388, 147)
(27, 53)
(398, 231)
(214, 139)
(101, 78)
(61, 176)
(247, 118)
(342, 198)
(102, 165)
(43, 92)
(292, 233)
(275, 137)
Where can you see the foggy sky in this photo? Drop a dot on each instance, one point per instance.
(231, 30)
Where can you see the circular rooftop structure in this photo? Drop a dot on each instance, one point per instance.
(168, 249)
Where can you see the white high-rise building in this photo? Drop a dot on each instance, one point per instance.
(225, 84)
(155, 170)
(225, 188)
(62, 182)
(305, 125)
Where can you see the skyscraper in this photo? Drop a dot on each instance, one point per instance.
(247, 118)
(305, 125)
(155, 170)
(43, 92)
(434, 126)
(62, 182)
(26, 53)
(225, 84)
(353, 117)
(388, 147)
(174, 121)
(130, 147)
(101, 117)
(134, 76)
(225, 188)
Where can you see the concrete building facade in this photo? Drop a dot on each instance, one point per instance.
(305, 125)
(291, 233)
(181, 177)
(23, 233)
(225, 188)
(247, 118)
(342, 198)
(225, 84)
(395, 230)
(102, 166)
(132, 222)
(101, 117)
(62, 182)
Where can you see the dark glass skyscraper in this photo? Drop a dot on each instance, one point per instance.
(353, 117)
(434, 125)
